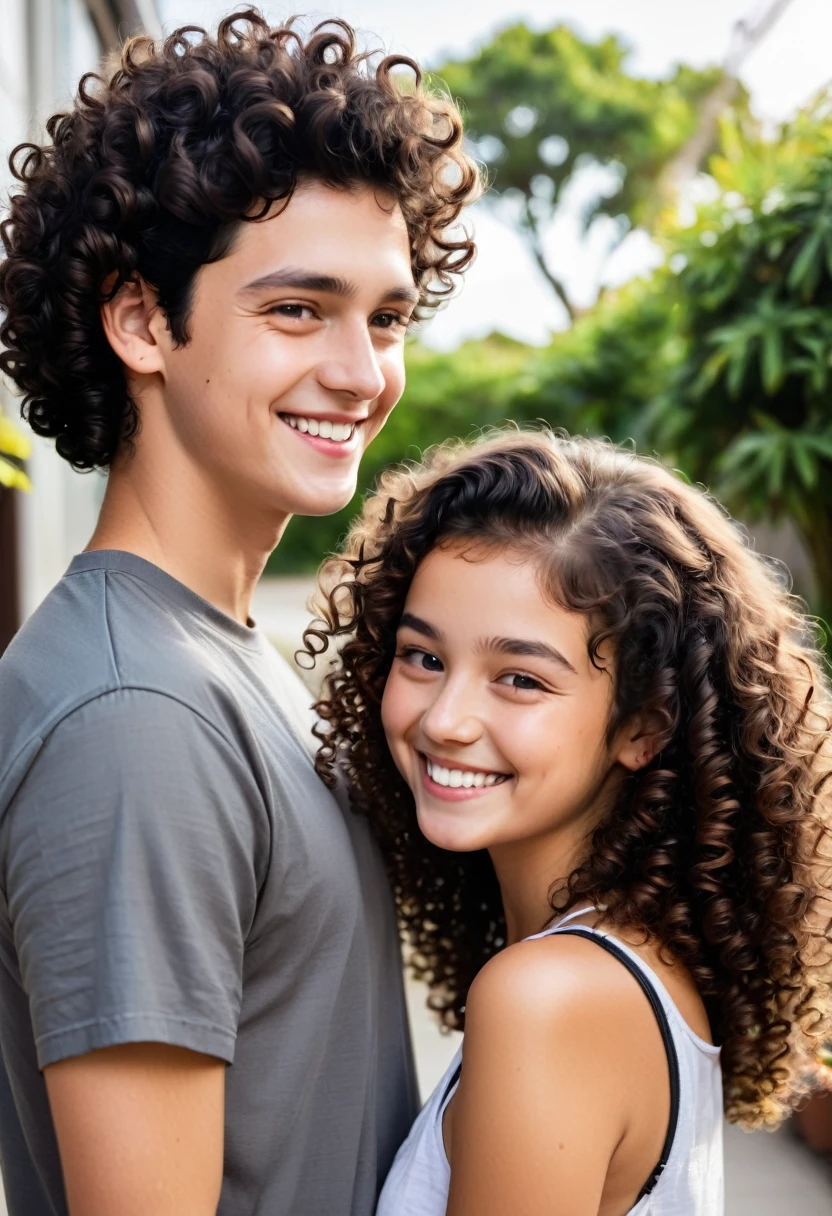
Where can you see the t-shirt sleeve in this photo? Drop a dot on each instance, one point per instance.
(132, 854)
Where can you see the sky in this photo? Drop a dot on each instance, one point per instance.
(504, 290)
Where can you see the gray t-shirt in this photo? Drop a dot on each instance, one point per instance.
(172, 870)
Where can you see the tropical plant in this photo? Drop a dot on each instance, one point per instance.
(721, 362)
(748, 408)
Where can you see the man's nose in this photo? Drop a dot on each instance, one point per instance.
(352, 366)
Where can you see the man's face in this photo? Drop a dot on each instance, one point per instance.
(296, 354)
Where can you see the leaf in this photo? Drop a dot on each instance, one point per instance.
(805, 269)
(822, 444)
(772, 368)
(777, 468)
(736, 368)
(805, 464)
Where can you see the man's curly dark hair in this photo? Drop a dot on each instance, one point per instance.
(152, 171)
(721, 848)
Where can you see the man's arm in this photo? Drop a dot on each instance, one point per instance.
(135, 847)
(140, 1130)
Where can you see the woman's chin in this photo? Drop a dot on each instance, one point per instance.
(449, 830)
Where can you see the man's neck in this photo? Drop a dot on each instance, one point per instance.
(189, 529)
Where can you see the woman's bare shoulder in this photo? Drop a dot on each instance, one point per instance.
(550, 982)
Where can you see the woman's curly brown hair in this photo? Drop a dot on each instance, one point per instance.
(719, 849)
(152, 171)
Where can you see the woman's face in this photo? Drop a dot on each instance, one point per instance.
(494, 714)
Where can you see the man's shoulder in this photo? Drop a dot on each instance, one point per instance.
(94, 634)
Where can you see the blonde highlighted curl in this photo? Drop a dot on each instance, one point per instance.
(721, 849)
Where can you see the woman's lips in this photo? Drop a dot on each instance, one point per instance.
(449, 793)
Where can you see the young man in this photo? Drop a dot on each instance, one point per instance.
(209, 275)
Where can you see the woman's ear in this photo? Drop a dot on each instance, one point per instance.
(135, 327)
(640, 740)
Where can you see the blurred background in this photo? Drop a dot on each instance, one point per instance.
(655, 265)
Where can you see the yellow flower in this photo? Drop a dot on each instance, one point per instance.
(13, 442)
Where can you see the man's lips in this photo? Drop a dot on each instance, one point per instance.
(331, 435)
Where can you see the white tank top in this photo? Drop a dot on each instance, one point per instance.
(688, 1179)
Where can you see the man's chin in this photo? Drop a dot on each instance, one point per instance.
(316, 506)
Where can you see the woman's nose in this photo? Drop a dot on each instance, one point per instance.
(452, 716)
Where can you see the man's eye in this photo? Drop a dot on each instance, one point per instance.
(295, 312)
(390, 320)
(421, 659)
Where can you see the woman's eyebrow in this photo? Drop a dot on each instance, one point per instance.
(409, 621)
(525, 648)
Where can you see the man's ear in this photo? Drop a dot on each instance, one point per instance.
(640, 740)
(135, 327)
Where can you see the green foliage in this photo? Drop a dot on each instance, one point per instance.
(541, 105)
(721, 362)
(747, 408)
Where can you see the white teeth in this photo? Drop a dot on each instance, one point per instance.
(456, 778)
(338, 432)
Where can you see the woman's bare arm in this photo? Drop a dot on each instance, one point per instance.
(560, 1045)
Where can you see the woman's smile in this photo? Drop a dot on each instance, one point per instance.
(455, 782)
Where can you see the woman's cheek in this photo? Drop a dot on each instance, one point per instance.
(397, 713)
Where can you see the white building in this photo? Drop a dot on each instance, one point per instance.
(45, 48)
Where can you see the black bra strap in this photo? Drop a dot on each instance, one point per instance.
(667, 1037)
(456, 1075)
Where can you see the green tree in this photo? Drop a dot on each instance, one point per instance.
(748, 406)
(540, 106)
(721, 363)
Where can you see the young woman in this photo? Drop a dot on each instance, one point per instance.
(590, 730)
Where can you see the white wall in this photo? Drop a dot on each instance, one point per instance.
(41, 61)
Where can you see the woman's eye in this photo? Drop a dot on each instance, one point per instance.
(522, 683)
(423, 660)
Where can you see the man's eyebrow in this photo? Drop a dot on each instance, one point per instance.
(525, 648)
(409, 621)
(310, 280)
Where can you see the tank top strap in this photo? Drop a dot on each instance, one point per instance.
(643, 976)
(570, 916)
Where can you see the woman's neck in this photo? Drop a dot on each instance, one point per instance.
(530, 874)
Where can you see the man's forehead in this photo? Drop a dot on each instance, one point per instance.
(344, 236)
